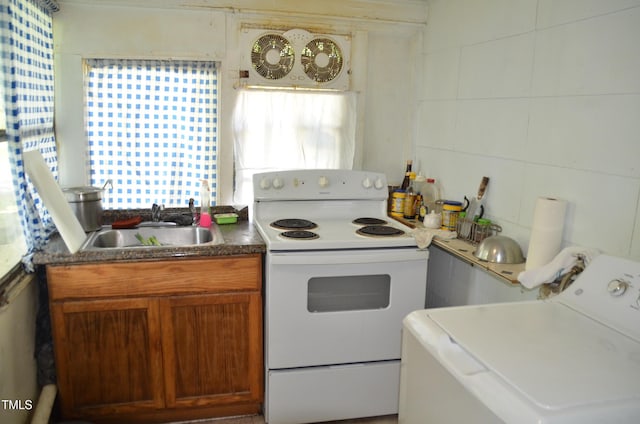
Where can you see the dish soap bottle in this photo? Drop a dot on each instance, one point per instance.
(205, 204)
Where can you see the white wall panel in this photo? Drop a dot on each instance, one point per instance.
(440, 73)
(18, 374)
(492, 127)
(140, 32)
(596, 56)
(554, 12)
(595, 133)
(573, 134)
(602, 207)
(464, 22)
(437, 123)
(498, 68)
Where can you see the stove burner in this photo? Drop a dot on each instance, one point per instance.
(299, 235)
(379, 231)
(369, 221)
(294, 224)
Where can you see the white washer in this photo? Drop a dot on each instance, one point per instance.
(574, 358)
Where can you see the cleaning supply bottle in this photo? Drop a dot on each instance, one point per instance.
(205, 205)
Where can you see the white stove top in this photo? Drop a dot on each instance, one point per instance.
(334, 234)
(332, 199)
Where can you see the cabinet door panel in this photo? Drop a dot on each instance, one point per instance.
(212, 349)
(108, 354)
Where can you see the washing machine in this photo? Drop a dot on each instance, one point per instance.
(574, 358)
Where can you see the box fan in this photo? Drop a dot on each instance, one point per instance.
(294, 58)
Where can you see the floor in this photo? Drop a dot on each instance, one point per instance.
(259, 419)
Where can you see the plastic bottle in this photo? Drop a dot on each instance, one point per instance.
(430, 194)
(205, 205)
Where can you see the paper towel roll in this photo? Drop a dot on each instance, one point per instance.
(546, 231)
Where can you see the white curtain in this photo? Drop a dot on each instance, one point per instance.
(278, 130)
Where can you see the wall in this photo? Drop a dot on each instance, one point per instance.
(543, 97)
(17, 363)
(384, 50)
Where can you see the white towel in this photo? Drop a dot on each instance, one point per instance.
(560, 265)
(424, 236)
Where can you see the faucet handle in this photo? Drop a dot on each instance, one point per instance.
(155, 212)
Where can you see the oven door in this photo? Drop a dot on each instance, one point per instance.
(337, 307)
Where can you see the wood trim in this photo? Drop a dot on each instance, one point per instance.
(92, 281)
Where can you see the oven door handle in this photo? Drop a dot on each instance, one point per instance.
(356, 257)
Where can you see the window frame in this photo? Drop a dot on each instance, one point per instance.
(15, 274)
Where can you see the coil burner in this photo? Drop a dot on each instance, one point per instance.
(369, 221)
(294, 224)
(379, 231)
(299, 235)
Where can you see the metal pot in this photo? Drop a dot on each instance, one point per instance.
(86, 204)
(499, 249)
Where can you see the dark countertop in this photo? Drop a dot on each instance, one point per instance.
(239, 239)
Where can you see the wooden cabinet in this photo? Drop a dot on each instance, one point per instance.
(158, 341)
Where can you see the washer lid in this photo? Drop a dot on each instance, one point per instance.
(555, 357)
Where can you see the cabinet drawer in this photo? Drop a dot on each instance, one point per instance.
(189, 276)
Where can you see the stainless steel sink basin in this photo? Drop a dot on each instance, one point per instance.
(153, 237)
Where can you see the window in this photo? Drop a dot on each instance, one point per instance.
(152, 130)
(12, 243)
(284, 129)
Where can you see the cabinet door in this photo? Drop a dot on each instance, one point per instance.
(108, 355)
(212, 349)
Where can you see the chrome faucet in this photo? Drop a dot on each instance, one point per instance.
(155, 212)
(192, 210)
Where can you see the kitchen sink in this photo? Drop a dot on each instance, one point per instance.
(152, 237)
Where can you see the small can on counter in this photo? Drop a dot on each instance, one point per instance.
(397, 203)
(450, 212)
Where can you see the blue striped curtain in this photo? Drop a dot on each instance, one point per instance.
(26, 44)
(152, 130)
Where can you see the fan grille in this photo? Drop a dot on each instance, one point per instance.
(272, 56)
(321, 60)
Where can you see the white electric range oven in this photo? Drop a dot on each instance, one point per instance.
(339, 278)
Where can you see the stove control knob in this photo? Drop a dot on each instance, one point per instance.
(323, 182)
(379, 184)
(617, 287)
(278, 183)
(366, 183)
(265, 183)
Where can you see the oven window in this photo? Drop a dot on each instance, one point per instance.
(348, 293)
